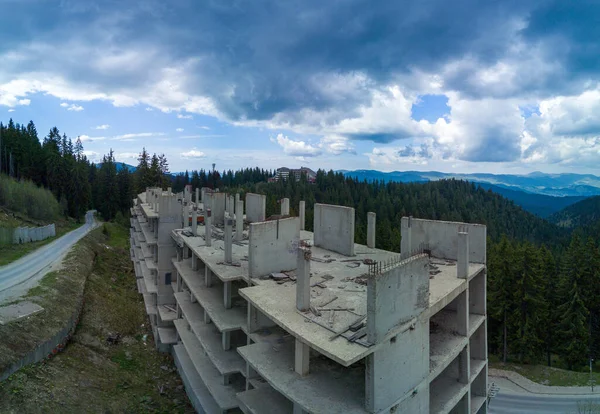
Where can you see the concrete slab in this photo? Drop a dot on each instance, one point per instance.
(200, 396)
(264, 400)
(18, 311)
(328, 386)
(224, 395)
(444, 394)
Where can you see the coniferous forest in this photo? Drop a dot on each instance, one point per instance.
(543, 295)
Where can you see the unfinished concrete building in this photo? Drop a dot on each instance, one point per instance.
(271, 318)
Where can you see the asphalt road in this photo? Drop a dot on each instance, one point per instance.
(39, 261)
(507, 403)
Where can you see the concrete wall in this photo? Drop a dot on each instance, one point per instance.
(399, 367)
(396, 296)
(442, 238)
(32, 234)
(334, 228)
(273, 246)
(216, 202)
(168, 220)
(256, 207)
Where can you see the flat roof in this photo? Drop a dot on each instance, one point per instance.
(344, 287)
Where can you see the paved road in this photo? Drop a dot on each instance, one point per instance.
(508, 403)
(39, 261)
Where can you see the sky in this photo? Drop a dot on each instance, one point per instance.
(506, 86)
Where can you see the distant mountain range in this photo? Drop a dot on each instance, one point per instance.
(540, 193)
(120, 166)
(585, 213)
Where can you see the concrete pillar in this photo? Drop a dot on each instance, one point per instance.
(239, 218)
(228, 240)
(462, 262)
(195, 221)
(302, 358)
(371, 220)
(285, 207)
(206, 318)
(226, 340)
(302, 214)
(237, 199)
(207, 227)
(227, 295)
(303, 280)
(197, 199)
(207, 277)
(169, 190)
(194, 262)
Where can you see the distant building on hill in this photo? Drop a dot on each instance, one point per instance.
(284, 173)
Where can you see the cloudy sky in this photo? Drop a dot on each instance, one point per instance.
(495, 86)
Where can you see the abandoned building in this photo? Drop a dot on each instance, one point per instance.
(262, 316)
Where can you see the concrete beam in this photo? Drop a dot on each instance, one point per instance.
(462, 256)
(239, 218)
(303, 280)
(285, 207)
(208, 227)
(371, 220)
(302, 214)
(228, 240)
(302, 358)
(195, 221)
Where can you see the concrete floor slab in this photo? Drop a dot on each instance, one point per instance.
(18, 311)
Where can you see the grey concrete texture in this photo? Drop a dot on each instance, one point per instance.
(397, 296)
(216, 202)
(256, 207)
(272, 246)
(17, 311)
(441, 237)
(32, 234)
(334, 228)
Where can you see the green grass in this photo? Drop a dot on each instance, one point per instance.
(545, 375)
(92, 375)
(12, 252)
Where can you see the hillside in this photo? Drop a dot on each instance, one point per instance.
(582, 214)
(558, 185)
(453, 200)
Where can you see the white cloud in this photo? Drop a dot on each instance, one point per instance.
(72, 107)
(104, 126)
(11, 110)
(296, 148)
(179, 130)
(93, 156)
(126, 137)
(192, 154)
(203, 127)
(24, 101)
(336, 145)
(87, 138)
(149, 109)
(126, 156)
(181, 116)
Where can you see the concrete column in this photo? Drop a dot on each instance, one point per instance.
(194, 262)
(230, 205)
(226, 340)
(302, 214)
(207, 227)
(228, 240)
(237, 200)
(207, 277)
(197, 199)
(227, 295)
(239, 218)
(303, 280)
(206, 318)
(195, 221)
(302, 358)
(169, 189)
(285, 207)
(371, 220)
(462, 262)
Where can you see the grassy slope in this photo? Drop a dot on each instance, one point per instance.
(10, 253)
(545, 375)
(92, 375)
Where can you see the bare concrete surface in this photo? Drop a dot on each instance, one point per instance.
(21, 275)
(18, 311)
